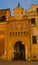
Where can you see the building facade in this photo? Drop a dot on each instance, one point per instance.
(19, 34)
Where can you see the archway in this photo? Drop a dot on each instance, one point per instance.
(19, 51)
(2, 41)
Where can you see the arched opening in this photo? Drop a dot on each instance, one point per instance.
(19, 51)
(2, 41)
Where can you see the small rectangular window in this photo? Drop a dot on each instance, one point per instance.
(33, 21)
(15, 33)
(24, 32)
(12, 33)
(37, 10)
(3, 18)
(34, 39)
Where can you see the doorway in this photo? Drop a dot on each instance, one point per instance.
(19, 51)
(2, 41)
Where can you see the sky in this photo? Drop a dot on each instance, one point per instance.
(26, 4)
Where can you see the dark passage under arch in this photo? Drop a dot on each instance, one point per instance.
(19, 51)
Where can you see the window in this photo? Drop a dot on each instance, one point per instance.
(34, 39)
(12, 33)
(16, 33)
(37, 10)
(3, 18)
(24, 32)
(33, 21)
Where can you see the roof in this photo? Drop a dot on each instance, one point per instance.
(4, 9)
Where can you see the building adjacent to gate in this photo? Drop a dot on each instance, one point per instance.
(22, 28)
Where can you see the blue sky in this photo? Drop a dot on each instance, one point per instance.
(26, 4)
